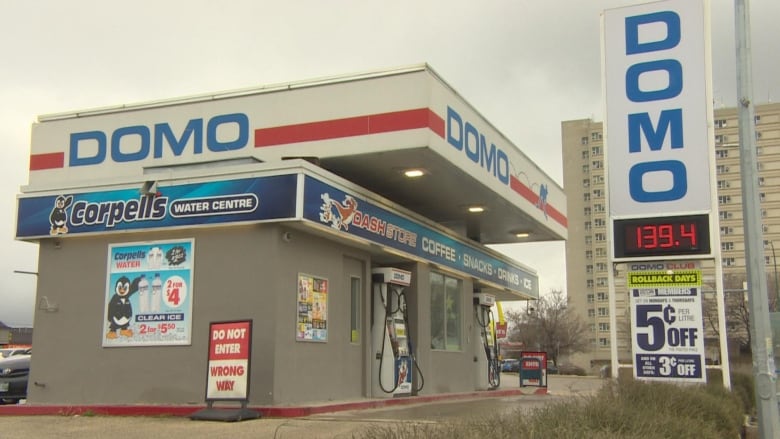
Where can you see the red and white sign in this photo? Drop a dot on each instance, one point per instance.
(229, 352)
(501, 330)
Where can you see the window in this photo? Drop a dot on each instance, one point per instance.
(592, 327)
(723, 184)
(586, 196)
(584, 154)
(724, 199)
(587, 211)
(598, 193)
(601, 252)
(720, 169)
(585, 169)
(602, 281)
(603, 342)
(588, 239)
(589, 283)
(727, 246)
(598, 208)
(588, 254)
(446, 313)
(726, 230)
(587, 225)
(595, 136)
(724, 215)
(757, 118)
(599, 222)
(601, 266)
(597, 164)
(598, 179)
(584, 140)
(602, 297)
(586, 182)
(354, 313)
(728, 262)
(590, 298)
(761, 197)
(601, 236)
(760, 181)
(765, 228)
(591, 313)
(596, 150)
(722, 153)
(603, 312)
(720, 123)
(603, 327)
(721, 138)
(589, 268)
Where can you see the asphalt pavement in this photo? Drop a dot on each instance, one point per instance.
(335, 424)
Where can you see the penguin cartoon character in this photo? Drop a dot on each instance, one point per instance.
(120, 310)
(59, 217)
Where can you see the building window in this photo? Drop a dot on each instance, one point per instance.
(589, 268)
(603, 312)
(603, 342)
(720, 169)
(601, 282)
(587, 211)
(762, 197)
(356, 291)
(720, 139)
(728, 262)
(584, 140)
(599, 222)
(446, 314)
(597, 164)
(585, 154)
(601, 252)
(590, 298)
(724, 199)
(596, 150)
(600, 267)
(722, 153)
(726, 230)
(595, 136)
(723, 184)
(587, 225)
(727, 246)
(592, 327)
(598, 207)
(760, 181)
(588, 239)
(765, 228)
(603, 327)
(757, 118)
(598, 179)
(601, 236)
(586, 196)
(720, 123)
(585, 169)
(589, 283)
(724, 215)
(586, 182)
(591, 313)
(602, 297)
(598, 193)
(588, 254)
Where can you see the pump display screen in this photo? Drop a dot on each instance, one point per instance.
(662, 236)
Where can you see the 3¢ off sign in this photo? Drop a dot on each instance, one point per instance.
(228, 367)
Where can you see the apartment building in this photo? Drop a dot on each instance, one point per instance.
(587, 265)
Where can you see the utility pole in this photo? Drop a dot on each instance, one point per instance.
(761, 331)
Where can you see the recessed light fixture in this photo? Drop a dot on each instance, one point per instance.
(414, 173)
(476, 209)
(521, 235)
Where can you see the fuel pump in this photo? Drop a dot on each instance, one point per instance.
(394, 364)
(488, 365)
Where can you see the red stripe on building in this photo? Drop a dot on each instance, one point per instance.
(349, 127)
(51, 160)
(526, 192)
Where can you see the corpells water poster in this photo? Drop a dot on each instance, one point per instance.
(148, 297)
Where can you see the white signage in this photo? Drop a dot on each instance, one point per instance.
(656, 67)
(667, 325)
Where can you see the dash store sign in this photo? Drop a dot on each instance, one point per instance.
(656, 67)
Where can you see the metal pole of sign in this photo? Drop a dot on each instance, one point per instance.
(763, 356)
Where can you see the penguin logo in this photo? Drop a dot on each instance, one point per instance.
(59, 217)
(120, 310)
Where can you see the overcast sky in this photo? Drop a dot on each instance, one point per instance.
(525, 65)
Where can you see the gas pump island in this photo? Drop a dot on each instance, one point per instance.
(395, 362)
(488, 365)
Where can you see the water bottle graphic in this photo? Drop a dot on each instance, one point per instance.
(143, 294)
(156, 293)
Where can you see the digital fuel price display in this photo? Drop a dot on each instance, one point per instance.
(662, 236)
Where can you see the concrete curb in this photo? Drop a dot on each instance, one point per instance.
(266, 411)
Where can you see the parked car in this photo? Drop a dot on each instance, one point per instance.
(552, 369)
(570, 369)
(510, 365)
(14, 374)
(7, 352)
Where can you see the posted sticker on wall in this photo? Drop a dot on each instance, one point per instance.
(148, 298)
(312, 309)
(230, 345)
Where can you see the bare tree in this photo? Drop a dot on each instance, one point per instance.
(551, 327)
